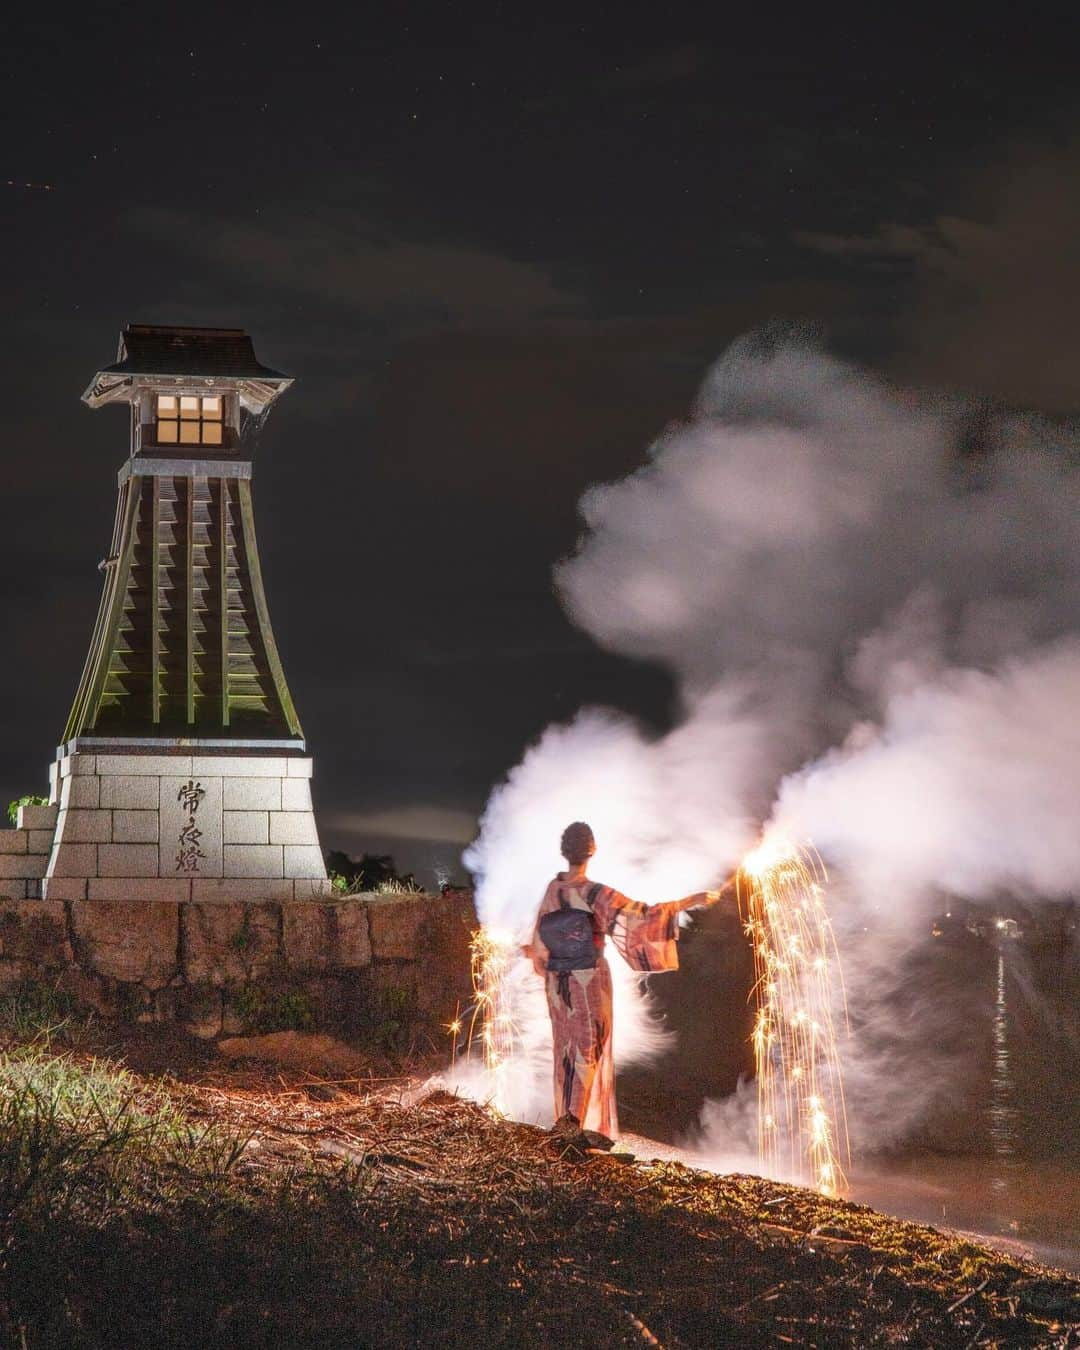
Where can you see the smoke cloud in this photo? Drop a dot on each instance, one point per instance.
(970, 785)
(871, 603)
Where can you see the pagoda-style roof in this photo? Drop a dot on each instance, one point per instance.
(157, 349)
(159, 352)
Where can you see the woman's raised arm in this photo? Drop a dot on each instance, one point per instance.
(704, 899)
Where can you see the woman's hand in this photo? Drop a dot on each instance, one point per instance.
(705, 899)
(531, 954)
(699, 900)
(714, 897)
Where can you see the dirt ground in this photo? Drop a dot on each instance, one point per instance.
(427, 1220)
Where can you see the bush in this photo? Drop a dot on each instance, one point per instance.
(29, 800)
(393, 1028)
(264, 1010)
(36, 1010)
(371, 872)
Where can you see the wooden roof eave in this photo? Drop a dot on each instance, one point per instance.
(255, 395)
(105, 388)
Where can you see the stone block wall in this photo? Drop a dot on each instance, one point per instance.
(25, 850)
(173, 827)
(228, 967)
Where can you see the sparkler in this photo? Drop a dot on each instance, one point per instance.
(800, 1090)
(491, 955)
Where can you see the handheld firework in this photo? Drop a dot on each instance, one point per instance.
(491, 1018)
(802, 1123)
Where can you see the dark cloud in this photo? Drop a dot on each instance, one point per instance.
(340, 256)
(996, 311)
(887, 241)
(416, 821)
(993, 304)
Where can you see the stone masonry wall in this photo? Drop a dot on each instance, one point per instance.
(24, 851)
(228, 967)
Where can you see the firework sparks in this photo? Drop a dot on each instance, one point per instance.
(453, 1029)
(802, 1126)
(491, 1020)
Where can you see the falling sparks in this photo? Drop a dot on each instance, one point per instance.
(453, 1028)
(802, 1126)
(491, 1020)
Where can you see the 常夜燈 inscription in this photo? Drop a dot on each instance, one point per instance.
(189, 853)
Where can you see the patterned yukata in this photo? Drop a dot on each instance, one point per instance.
(580, 1001)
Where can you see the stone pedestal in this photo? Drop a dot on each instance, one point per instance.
(178, 827)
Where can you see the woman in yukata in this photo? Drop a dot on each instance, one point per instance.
(567, 949)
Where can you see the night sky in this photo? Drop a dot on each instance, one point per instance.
(498, 251)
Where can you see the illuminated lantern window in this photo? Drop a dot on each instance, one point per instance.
(188, 419)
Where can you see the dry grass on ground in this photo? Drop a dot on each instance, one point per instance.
(241, 1206)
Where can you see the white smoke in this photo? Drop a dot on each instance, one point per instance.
(868, 600)
(970, 785)
(665, 820)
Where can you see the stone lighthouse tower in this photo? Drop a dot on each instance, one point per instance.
(183, 773)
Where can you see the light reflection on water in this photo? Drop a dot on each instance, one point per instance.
(1007, 1186)
(1003, 1116)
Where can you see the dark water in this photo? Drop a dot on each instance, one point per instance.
(1007, 1164)
(1000, 1153)
(1036, 1213)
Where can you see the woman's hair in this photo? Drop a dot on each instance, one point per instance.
(577, 844)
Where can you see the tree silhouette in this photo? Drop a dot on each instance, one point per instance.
(369, 872)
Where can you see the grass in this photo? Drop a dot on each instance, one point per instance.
(398, 886)
(76, 1138)
(242, 1207)
(361, 886)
